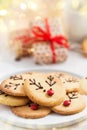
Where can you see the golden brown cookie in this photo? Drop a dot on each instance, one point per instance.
(44, 89)
(32, 111)
(70, 82)
(84, 46)
(14, 84)
(83, 86)
(73, 103)
(5, 99)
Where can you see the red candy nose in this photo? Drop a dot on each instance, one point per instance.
(66, 102)
(34, 106)
(50, 92)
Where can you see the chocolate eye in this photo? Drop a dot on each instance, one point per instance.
(44, 90)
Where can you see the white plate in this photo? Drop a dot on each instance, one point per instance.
(50, 121)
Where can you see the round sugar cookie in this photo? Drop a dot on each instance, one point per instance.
(83, 86)
(72, 104)
(44, 89)
(5, 99)
(14, 84)
(31, 111)
(70, 82)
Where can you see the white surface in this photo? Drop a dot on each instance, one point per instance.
(76, 63)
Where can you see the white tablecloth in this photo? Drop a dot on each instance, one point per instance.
(76, 63)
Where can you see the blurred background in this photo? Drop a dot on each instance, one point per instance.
(18, 14)
(17, 18)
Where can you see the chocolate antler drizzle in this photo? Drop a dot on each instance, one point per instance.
(33, 82)
(50, 81)
(15, 77)
(12, 85)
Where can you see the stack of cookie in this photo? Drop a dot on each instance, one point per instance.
(35, 95)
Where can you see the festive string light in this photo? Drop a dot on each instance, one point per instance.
(3, 12)
(60, 4)
(23, 6)
(32, 5)
(3, 27)
(75, 4)
(80, 6)
(12, 11)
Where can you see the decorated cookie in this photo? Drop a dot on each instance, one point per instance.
(83, 86)
(14, 84)
(5, 99)
(73, 103)
(31, 110)
(44, 89)
(84, 46)
(71, 83)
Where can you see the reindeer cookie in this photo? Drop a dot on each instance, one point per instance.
(73, 103)
(44, 89)
(31, 110)
(14, 84)
(70, 82)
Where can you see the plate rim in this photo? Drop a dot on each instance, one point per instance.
(38, 69)
(14, 123)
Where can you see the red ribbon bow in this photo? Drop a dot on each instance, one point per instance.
(45, 35)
